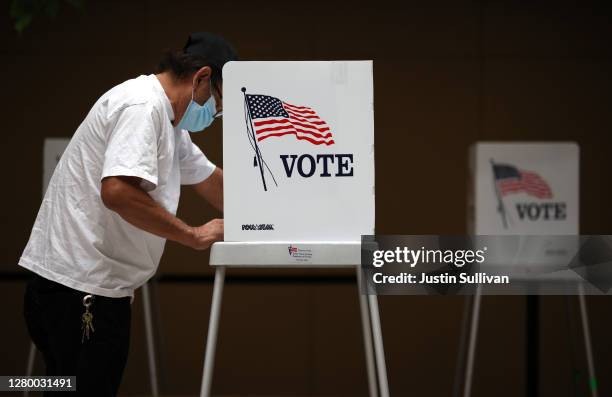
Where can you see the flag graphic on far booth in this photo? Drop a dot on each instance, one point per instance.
(510, 179)
(272, 117)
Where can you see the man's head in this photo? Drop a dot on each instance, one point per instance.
(196, 72)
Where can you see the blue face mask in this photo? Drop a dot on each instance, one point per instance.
(198, 117)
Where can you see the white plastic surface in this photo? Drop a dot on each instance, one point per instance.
(300, 201)
(556, 163)
(286, 254)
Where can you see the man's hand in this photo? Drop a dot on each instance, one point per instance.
(205, 235)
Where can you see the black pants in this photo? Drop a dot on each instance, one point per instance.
(53, 317)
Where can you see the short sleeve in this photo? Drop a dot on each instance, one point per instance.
(131, 148)
(195, 167)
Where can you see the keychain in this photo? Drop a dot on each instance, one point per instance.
(87, 317)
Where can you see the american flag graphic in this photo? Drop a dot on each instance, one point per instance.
(273, 118)
(510, 179)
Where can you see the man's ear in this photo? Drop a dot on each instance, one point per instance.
(203, 74)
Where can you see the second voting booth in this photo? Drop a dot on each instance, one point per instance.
(298, 159)
(529, 190)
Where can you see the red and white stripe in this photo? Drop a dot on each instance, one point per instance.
(303, 122)
(530, 183)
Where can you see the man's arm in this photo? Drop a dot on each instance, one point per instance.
(211, 189)
(123, 195)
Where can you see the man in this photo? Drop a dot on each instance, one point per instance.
(110, 206)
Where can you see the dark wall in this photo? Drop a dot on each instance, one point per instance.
(446, 74)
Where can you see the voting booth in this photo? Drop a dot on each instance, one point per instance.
(529, 190)
(53, 148)
(298, 163)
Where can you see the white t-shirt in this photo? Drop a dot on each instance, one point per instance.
(78, 242)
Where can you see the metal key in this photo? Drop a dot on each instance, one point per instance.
(87, 317)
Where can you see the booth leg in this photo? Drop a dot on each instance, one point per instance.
(471, 351)
(366, 325)
(148, 318)
(587, 341)
(532, 346)
(378, 346)
(30, 365)
(213, 327)
(461, 356)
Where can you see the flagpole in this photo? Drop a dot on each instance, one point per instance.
(500, 203)
(257, 152)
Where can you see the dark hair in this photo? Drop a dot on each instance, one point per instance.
(183, 65)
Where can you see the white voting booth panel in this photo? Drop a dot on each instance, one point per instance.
(535, 191)
(298, 151)
(52, 151)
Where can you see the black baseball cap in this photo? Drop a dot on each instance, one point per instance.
(215, 49)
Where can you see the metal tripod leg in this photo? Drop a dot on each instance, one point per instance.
(471, 352)
(366, 325)
(584, 316)
(465, 326)
(148, 318)
(378, 346)
(213, 327)
(30, 365)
